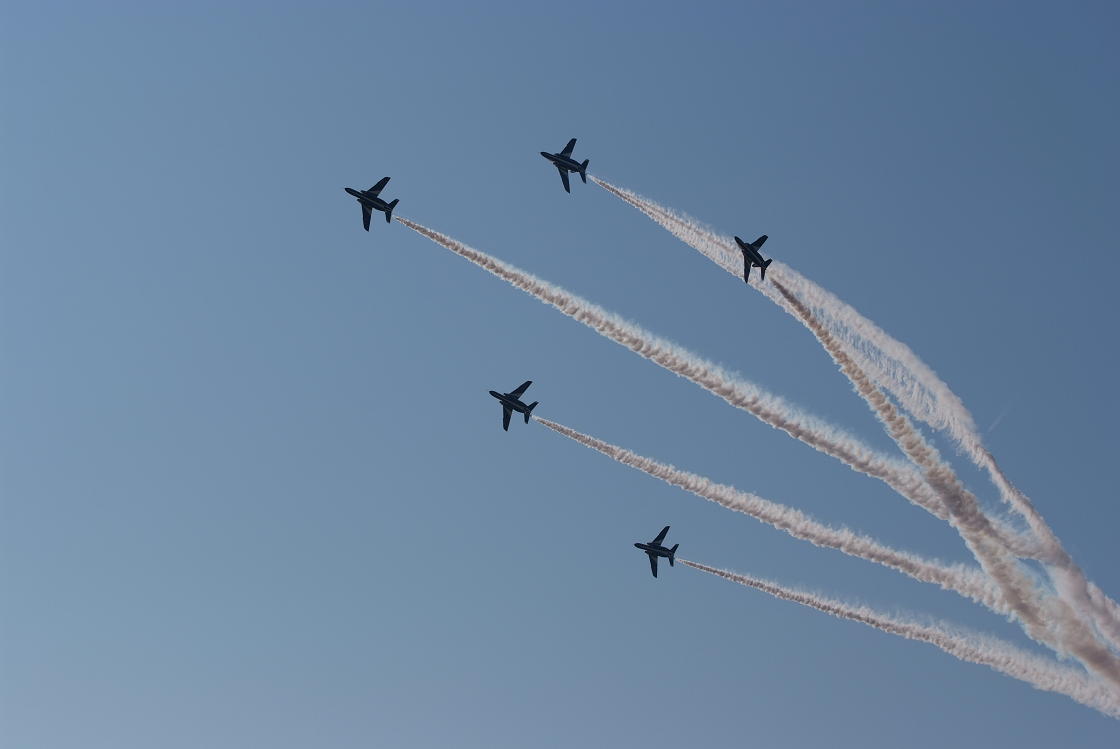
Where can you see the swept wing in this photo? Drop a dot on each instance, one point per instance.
(376, 189)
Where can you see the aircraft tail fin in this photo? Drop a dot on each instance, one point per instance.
(673, 554)
(389, 213)
(530, 411)
(765, 266)
(583, 170)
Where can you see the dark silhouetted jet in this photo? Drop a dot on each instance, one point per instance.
(565, 163)
(752, 256)
(369, 200)
(654, 549)
(512, 402)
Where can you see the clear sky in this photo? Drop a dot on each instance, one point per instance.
(255, 493)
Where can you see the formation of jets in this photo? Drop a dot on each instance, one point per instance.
(511, 402)
(565, 164)
(370, 200)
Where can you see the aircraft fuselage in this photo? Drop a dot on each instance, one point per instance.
(510, 402)
(366, 199)
(563, 162)
(754, 256)
(654, 549)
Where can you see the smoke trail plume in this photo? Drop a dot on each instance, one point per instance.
(1039, 672)
(966, 581)
(895, 367)
(889, 362)
(747, 396)
(1057, 624)
(769, 408)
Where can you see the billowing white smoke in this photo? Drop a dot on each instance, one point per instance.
(974, 648)
(892, 365)
(770, 408)
(1050, 621)
(765, 406)
(967, 581)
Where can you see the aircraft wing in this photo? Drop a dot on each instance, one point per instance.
(378, 187)
(757, 244)
(506, 413)
(652, 563)
(366, 210)
(660, 537)
(569, 148)
(746, 269)
(564, 176)
(521, 388)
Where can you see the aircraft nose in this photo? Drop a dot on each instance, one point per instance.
(546, 154)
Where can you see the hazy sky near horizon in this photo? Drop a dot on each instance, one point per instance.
(254, 491)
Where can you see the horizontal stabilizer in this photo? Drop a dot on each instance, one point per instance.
(389, 213)
(583, 170)
(673, 554)
(765, 266)
(529, 412)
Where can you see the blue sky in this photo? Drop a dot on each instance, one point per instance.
(254, 492)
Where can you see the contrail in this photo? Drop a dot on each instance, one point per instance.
(1039, 672)
(1057, 624)
(889, 362)
(767, 407)
(895, 367)
(968, 582)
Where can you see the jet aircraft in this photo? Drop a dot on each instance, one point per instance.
(565, 163)
(752, 256)
(654, 549)
(370, 200)
(512, 402)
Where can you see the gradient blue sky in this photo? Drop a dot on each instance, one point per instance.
(255, 494)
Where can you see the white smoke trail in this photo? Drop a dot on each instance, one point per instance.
(889, 362)
(1055, 623)
(769, 408)
(895, 367)
(765, 406)
(967, 581)
(1039, 672)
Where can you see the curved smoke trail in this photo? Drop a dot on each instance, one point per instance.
(769, 408)
(1057, 624)
(967, 581)
(1039, 672)
(896, 368)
